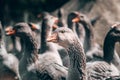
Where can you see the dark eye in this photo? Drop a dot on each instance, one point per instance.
(63, 31)
(81, 16)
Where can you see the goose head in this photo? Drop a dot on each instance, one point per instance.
(20, 29)
(80, 18)
(63, 36)
(72, 16)
(49, 24)
(114, 33)
(50, 20)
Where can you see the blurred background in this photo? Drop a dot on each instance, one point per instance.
(13, 11)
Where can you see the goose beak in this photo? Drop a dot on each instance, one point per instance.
(9, 31)
(52, 38)
(76, 19)
(56, 22)
(116, 24)
(54, 26)
(33, 26)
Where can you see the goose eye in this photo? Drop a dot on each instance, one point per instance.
(81, 16)
(63, 31)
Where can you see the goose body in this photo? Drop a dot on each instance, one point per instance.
(8, 59)
(50, 57)
(34, 66)
(92, 49)
(84, 31)
(97, 70)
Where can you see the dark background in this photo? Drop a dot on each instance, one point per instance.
(15, 10)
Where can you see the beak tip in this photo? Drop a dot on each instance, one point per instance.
(48, 40)
(73, 20)
(76, 19)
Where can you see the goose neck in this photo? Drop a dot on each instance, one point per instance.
(31, 50)
(109, 46)
(77, 60)
(46, 30)
(89, 43)
(81, 32)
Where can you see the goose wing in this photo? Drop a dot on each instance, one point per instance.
(100, 70)
(52, 71)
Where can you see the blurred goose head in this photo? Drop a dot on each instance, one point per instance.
(50, 20)
(114, 33)
(80, 17)
(20, 29)
(49, 24)
(70, 18)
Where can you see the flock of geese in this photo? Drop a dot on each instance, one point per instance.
(58, 51)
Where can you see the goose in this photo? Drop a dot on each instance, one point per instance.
(78, 69)
(85, 32)
(18, 47)
(92, 49)
(52, 19)
(77, 28)
(50, 50)
(8, 59)
(34, 66)
(36, 28)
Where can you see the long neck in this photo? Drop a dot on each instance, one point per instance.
(3, 51)
(60, 23)
(80, 32)
(109, 45)
(77, 61)
(16, 44)
(72, 26)
(44, 34)
(17, 48)
(31, 51)
(13, 41)
(78, 29)
(70, 23)
(89, 39)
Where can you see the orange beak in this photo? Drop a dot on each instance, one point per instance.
(33, 26)
(9, 31)
(56, 21)
(52, 38)
(54, 26)
(76, 19)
